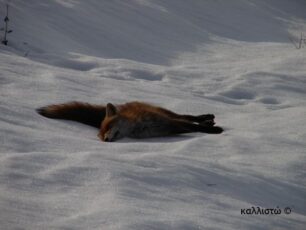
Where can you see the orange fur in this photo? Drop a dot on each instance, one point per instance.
(133, 119)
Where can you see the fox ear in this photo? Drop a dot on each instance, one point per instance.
(111, 110)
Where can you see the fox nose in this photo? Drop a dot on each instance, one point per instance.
(103, 138)
(108, 139)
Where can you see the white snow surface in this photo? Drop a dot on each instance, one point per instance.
(237, 59)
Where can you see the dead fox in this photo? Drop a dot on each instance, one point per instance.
(133, 119)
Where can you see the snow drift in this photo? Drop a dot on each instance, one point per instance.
(236, 59)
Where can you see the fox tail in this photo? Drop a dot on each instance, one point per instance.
(81, 112)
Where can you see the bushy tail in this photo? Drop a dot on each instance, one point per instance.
(76, 111)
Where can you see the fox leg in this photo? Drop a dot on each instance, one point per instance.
(206, 119)
(198, 119)
(181, 126)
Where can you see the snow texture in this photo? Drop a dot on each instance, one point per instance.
(237, 59)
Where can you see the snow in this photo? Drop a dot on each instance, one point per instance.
(236, 59)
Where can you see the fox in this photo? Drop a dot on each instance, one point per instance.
(133, 119)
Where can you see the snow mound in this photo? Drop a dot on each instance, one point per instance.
(230, 58)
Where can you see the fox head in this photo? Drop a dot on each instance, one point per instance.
(112, 125)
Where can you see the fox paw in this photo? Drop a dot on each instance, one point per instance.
(206, 117)
(208, 123)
